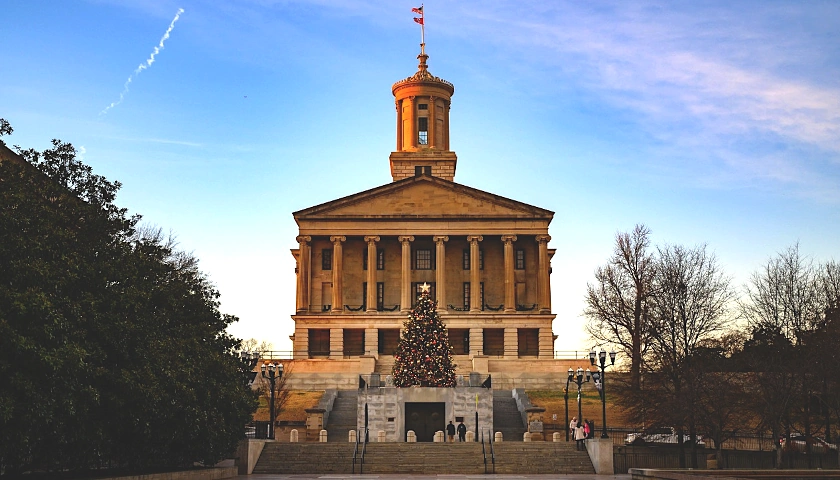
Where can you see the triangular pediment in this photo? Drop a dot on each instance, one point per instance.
(423, 197)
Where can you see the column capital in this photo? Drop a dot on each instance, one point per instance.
(303, 238)
(371, 238)
(543, 238)
(474, 238)
(338, 239)
(405, 238)
(508, 239)
(440, 238)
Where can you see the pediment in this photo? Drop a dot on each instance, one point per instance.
(423, 197)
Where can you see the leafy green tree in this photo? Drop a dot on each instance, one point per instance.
(424, 356)
(112, 347)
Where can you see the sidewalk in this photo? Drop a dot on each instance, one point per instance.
(477, 476)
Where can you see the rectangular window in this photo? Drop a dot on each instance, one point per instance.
(459, 339)
(466, 295)
(389, 339)
(423, 259)
(354, 341)
(420, 170)
(326, 259)
(423, 130)
(519, 259)
(528, 342)
(423, 106)
(364, 295)
(481, 294)
(319, 342)
(467, 259)
(380, 296)
(494, 341)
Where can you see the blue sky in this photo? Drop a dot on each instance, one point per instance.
(710, 122)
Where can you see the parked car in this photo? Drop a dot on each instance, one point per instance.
(659, 436)
(799, 441)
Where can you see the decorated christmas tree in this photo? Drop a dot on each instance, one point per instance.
(424, 356)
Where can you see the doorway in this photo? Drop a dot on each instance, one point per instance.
(425, 418)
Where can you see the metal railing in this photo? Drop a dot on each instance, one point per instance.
(360, 455)
(577, 355)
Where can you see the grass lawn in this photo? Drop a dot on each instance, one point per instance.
(295, 407)
(552, 401)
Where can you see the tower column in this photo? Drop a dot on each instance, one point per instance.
(398, 104)
(542, 274)
(371, 273)
(432, 122)
(303, 274)
(337, 274)
(510, 281)
(440, 269)
(475, 275)
(413, 106)
(405, 286)
(446, 105)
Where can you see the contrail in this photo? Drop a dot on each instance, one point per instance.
(148, 63)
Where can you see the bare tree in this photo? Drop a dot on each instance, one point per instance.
(690, 306)
(617, 303)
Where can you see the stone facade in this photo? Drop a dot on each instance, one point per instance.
(360, 260)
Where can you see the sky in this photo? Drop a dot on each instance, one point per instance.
(712, 123)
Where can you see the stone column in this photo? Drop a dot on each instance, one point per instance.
(405, 287)
(413, 105)
(303, 274)
(371, 273)
(432, 122)
(475, 274)
(399, 126)
(372, 342)
(546, 339)
(336, 343)
(542, 274)
(337, 274)
(440, 270)
(476, 341)
(510, 280)
(511, 343)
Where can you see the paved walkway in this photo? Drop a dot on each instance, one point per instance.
(477, 476)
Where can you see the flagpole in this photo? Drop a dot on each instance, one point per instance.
(422, 31)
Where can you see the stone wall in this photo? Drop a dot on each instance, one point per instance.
(387, 404)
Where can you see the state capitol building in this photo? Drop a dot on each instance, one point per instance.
(361, 259)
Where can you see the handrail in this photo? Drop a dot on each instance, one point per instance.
(492, 450)
(364, 450)
(355, 451)
(483, 452)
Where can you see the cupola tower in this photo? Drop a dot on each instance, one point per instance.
(422, 101)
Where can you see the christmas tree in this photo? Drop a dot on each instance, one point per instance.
(424, 356)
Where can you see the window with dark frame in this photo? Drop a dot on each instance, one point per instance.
(422, 106)
(420, 170)
(319, 341)
(519, 259)
(326, 259)
(423, 259)
(467, 295)
(380, 296)
(423, 130)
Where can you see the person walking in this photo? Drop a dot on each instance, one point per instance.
(586, 430)
(572, 426)
(462, 432)
(580, 435)
(450, 431)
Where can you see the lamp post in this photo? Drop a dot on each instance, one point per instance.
(566, 399)
(601, 364)
(578, 378)
(273, 372)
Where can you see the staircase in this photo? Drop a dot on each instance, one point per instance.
(506, 416)
(342, 418)
(541, 458)
(296, 458)
(423, 458)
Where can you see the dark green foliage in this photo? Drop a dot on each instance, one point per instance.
(424, 356)
(112, 347)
